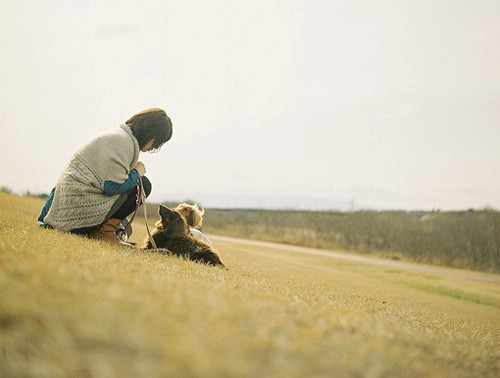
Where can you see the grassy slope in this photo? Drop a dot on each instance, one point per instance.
(71, 306)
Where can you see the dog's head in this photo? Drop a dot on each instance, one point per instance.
(172, 222)
(192, 214)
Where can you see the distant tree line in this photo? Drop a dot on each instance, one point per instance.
(466, 239)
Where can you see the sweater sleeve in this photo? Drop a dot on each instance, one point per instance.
(112, 188)
(46, 207)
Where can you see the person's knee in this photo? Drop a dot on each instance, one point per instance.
(147, 186)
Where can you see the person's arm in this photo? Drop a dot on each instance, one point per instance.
(46, 207)
(112, 188)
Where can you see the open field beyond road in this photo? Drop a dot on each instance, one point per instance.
(70, 306)
(423, 268)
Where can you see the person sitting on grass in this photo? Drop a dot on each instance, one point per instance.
(97, 189)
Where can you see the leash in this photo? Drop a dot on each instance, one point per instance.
(141, 200)
(122, 233)
(140, 190)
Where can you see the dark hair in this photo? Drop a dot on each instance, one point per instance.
(151, 124)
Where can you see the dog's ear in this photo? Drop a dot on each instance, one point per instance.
(165, 212)
(202, 210)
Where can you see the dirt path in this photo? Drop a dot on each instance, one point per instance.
(438, 270)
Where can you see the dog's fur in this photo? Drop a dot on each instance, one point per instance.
(192, 214)
(172, 232)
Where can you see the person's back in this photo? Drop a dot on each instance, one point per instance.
(96, 190)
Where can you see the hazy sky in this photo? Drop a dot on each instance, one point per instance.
(380, 104)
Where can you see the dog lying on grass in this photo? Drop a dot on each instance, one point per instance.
(172, 232)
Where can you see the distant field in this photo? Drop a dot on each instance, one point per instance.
(70, 306)
(468, 239)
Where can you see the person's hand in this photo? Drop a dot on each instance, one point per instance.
(140, 168)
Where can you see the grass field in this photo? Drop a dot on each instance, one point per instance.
(70, 306)
(460, 239)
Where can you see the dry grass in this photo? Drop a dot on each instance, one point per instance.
(466, 239)
(75, 307)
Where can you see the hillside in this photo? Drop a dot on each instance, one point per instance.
(70, 306)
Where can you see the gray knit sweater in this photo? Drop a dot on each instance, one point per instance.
(79, 199)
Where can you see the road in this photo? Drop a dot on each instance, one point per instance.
(433, 269)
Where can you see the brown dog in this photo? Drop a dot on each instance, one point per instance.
(172, 232)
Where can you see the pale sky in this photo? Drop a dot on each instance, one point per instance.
(306, 104)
